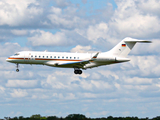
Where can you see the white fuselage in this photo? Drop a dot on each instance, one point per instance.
(77, 61)
(34, 57)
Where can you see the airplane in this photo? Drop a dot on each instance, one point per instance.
(78, 61)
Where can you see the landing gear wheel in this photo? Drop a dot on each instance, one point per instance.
(78, 71)
(17, 70)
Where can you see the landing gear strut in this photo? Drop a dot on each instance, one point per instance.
(17, 67)
(77, 71)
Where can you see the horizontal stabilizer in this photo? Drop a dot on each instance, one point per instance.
(128, 39)
(135, 40)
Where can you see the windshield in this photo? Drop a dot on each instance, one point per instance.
(16, 54)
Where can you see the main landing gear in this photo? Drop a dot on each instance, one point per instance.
(77, 71)
(17, 67)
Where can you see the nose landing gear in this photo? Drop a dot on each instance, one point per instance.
(17, 70)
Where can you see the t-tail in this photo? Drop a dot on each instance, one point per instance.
(123, 48)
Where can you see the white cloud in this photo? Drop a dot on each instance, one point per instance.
(68, 22)
(139, 81)
(148, 65)
(8, 49)
(150, 6)
(129, 20)
(17, 93)
(143, 49)
(42, 38)
(19, 32)
(97, 31)
(89, 95)
(63, 38)
(15, 113)
(15, 13)
(2, 89)
(56, 10)
(81, 49)
(22, 83)
(108, 73)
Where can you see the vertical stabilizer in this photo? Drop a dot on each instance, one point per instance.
(123, 48)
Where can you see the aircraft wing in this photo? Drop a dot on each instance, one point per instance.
(71, 64)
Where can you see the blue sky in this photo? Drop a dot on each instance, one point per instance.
(127, 89)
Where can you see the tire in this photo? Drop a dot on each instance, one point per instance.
(76, 72)
(80, 72)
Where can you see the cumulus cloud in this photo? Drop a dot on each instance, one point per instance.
(9, 48)
(19, 32)
(68, 19)
(148, 65)
(81, 49)
(136, 24)
(15, 13)
(149, 6)
(147, 49)
(42, 38)
(63, 38)
(2, 89)
(22, 83)
(18, 93)
(98, 31)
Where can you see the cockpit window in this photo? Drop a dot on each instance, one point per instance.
(16, 54)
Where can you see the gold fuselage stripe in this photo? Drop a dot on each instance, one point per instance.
(43, 59)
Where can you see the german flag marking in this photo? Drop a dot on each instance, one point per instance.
(123, 45)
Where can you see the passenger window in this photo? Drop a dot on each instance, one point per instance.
(66, 57)
(47, 56)
(50, 56)
(35, 56)
(70, 57)
(39, 56)
(43, 56)
(31, 55)
(54, 56)
(77, 57)
(58, 57)
(74, 57)
(62, 57)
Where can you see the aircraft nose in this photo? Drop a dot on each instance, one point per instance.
(8, 60)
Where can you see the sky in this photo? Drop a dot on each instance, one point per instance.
(126, 89)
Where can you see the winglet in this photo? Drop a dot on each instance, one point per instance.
(95, 56)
